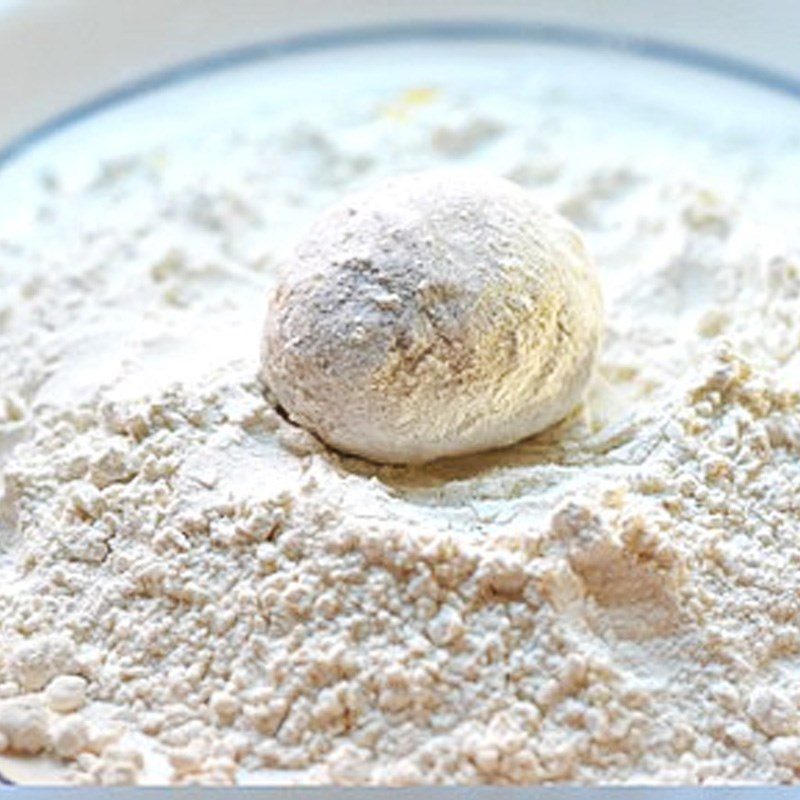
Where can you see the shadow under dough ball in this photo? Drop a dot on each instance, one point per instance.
(434, 314)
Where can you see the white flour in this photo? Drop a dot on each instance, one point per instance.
(195, 590)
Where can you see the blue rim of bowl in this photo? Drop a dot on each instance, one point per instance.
(477, 30)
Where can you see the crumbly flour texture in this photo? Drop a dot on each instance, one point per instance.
(193, 590)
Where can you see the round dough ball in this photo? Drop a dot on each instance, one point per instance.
(435, 314)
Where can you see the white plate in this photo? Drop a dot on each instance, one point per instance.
(747, 100)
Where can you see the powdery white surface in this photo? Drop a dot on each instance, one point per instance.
(437, 313)
(616, 601)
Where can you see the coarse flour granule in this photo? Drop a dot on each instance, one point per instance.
(194, 590)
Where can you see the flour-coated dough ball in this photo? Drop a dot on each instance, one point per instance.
(435, 314)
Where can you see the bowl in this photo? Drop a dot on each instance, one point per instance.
(92, 82)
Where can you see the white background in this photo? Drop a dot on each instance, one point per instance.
(55, 54)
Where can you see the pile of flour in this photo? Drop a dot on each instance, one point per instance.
(194, 590)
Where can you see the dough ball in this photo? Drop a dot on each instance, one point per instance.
(435, 314)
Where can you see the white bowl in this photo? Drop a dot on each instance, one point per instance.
(62, 62)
